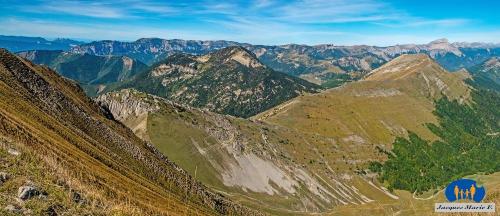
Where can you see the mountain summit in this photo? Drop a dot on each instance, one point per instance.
(420, 74)
(230, 81)
(442, 46)
(237, 54)
(401, 67)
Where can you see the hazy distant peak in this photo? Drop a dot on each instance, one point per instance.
(441, 46)
(439, 41)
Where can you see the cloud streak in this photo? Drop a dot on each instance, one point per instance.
(96, 10)
(261, 21)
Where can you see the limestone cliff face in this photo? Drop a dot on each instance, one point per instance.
(130, 111)
(124, 106)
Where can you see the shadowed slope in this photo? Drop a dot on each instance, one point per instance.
(93, 73)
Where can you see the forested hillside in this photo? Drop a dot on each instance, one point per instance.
(469, 143)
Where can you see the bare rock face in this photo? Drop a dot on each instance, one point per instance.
(125, 104)
(441, 47)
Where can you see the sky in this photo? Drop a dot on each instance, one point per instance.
(267, 22)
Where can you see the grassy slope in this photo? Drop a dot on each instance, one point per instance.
(27, 167)
(315, 132)
(181, 134)
(376, 109)
(51, 116)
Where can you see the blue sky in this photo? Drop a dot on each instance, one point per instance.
(341, 22)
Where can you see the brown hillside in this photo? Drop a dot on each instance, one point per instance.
(51, 118)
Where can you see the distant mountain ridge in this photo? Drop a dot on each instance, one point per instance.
(326, 64)
(230, 81)
(318, 63)
(22, 43)
(487, 73)
(151, 50)
(89, 70)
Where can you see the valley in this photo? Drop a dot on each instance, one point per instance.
(243, 138)
(249, 108)
(310, 153)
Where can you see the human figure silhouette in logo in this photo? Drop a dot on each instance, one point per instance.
(461, 193)
(472, 191)
(467, 194)
(456, 192)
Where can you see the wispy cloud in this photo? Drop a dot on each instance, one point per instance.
(260, 21)
(52, 29)
(421, 22)
(91, 9)
(324, 11)
(111, 9)
(155, 8)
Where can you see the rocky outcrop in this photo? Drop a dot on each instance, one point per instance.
(26, 192)
(124, 104)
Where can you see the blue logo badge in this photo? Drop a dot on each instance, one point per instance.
(464, 190)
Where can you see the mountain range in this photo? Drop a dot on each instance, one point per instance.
(92, 72)
(22, 43)
(325, 64)
(227, 128)
(312, 153)
(229, 81)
